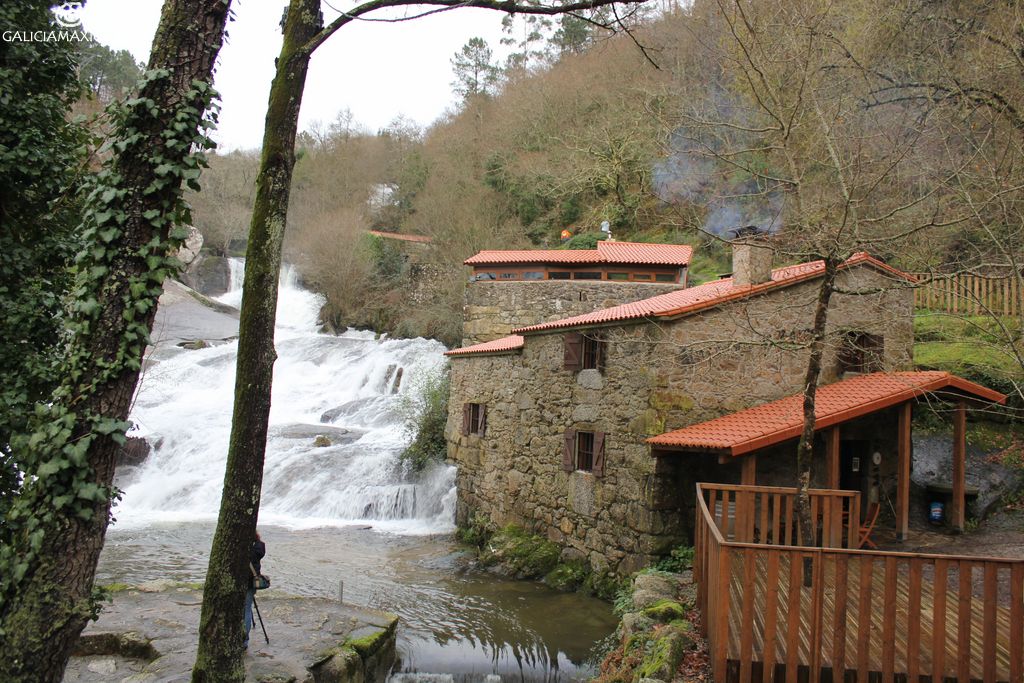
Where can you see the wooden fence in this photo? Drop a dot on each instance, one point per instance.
(969, 294)
(775, 611)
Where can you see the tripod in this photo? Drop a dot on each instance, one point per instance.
(257, 608)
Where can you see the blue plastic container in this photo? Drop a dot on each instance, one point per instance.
(936, 512)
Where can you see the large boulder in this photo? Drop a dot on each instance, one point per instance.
(933, 464)
(208, 274)
(189, 249)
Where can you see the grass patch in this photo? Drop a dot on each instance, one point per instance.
(978, 348)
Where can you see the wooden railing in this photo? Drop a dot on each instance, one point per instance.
(969, 294)
(776, 611)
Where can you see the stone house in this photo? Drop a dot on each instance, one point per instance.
(555, 426)
(510, 289)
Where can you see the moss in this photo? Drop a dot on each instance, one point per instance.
(568, 576)
(606, 586)
(665, 652)
(113, 588)
(664, 401)
(477, 533)
(369, 644)
(521, 554)
(665, 611)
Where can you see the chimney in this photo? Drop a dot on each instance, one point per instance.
(751, 256)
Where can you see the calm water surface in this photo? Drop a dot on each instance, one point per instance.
(453, 620)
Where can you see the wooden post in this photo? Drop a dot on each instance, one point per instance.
(832, 456)
(956, 512)
(748, 476)
(903, 472)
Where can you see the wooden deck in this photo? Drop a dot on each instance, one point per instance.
(780, 612)
(861, 651)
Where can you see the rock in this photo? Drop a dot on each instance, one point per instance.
(665, 653)
(106, 666)
(344, 409)
(194, 344)
(129, 645)
(134, 452)
(650, 589)
(321, 441)
(665, 611)
(933, 463)
(633, 623)
(189, 249)
(336, 435)
(209, 275)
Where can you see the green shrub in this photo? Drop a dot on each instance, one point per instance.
(679, 559)
(427, 414)
(477, 533)
(568, 576)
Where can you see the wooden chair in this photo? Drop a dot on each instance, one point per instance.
(867, 526)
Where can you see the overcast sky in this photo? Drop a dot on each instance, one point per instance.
(378, 70)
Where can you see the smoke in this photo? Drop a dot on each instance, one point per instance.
(695, 173)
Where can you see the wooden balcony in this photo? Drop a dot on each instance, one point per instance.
(778, 609)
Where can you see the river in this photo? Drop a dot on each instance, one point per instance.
(343, 516)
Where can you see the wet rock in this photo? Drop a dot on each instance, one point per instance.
(134, 452)
(344, 410)
(335, 435)
(129, 645)
(194, 344)
(321, 441)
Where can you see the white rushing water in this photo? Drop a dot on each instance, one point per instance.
(183, 408)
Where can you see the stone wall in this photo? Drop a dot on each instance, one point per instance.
(493, 309)
(657, 377)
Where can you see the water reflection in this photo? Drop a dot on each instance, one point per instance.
(453, 620)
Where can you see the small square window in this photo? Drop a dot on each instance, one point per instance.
(618, 276)
(641, 277)
(593, 353)
(861, 352)
(665, 277)
(587, 275)
(559, 275)
(509, 276)
(533, 275)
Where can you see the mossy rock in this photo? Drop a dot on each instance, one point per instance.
(568, 576)
(321, 441)
(664, 653)
(521, 554)
(665, 611)
(369, 644)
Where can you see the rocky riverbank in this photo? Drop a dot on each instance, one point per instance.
(148, 634)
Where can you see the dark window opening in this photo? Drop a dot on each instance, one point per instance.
(584, 352)
(644, 277)
(665, 277)
(533, 275)
(485, 276)
(509, 276)
(585, 451)
(559, 275)
(861, 352)
(593, 353)
(474, 418)
(587, 275)
(618, 276)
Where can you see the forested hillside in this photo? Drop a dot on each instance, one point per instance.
(896, 130)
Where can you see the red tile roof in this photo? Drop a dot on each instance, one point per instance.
(782, 420)
(707, 295)
(503, 345)
(399, 236)
(625, 253)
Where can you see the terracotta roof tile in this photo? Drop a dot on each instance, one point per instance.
(706, 295)
(503, 345)
(782, 420)
(606, 252)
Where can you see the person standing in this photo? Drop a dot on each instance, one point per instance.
(256, 553)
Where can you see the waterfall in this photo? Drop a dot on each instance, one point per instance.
(336, 428)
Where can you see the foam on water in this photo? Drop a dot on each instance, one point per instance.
(183, 407)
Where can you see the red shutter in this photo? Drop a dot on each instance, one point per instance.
(466, 412)
(598, 454)
(483, 419)
(569, 451)
(573, 351)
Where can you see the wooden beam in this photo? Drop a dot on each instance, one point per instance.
(832, 456)
(904, 448)
(748, 477)
(956, 511)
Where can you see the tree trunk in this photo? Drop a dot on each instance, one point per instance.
(805, 448)
(220, 652)
(50, 599)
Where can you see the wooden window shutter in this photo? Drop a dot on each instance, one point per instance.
(569, 450)
(598, 454)
(467, 412)
(573, 351)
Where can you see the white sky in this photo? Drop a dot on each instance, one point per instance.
(377, 70)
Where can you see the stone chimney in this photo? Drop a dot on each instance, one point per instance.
(751, 257)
